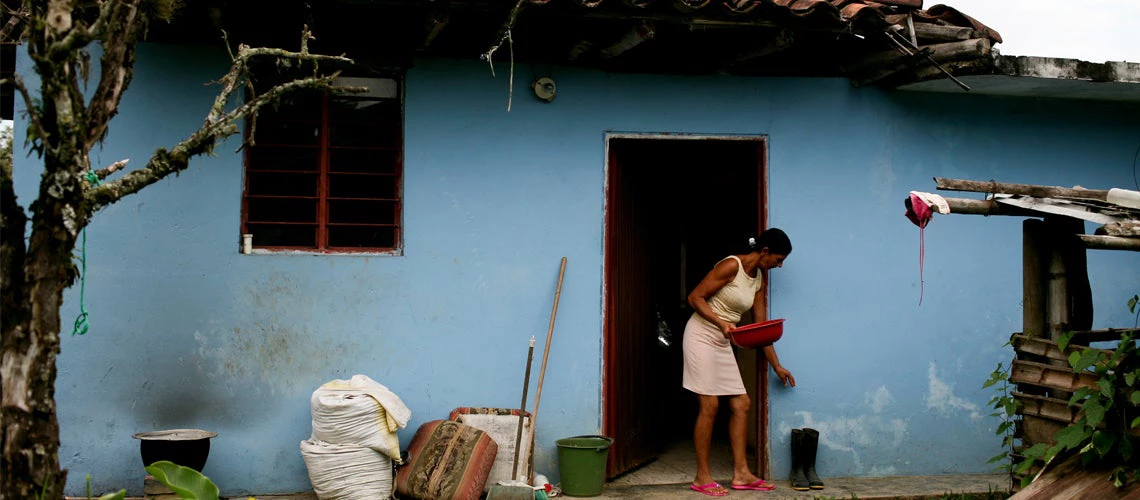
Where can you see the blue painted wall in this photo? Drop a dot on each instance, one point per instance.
(186, 332)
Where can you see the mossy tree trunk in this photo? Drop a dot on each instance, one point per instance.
(63, 126)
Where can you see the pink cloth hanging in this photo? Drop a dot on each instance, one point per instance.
(919, 212)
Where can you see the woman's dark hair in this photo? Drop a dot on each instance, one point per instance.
(775, 240)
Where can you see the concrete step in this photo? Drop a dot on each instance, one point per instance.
(950, 487)
(956, 487)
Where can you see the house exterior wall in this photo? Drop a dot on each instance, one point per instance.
(187, 332)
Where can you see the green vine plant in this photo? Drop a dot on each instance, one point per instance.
(1005, 408)
(1134, 310)
(1106, 429)
(186, 483)
(118, 495)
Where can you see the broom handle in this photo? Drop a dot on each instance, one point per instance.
(522, 411)
(546, 351)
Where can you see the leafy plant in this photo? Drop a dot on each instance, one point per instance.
(185, 482)
(118, 495)
(1005, 408)
(1110, 410)
(1132, 309)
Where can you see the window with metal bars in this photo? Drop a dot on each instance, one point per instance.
(324, 171)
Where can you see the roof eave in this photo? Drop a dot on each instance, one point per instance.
(1049, 77)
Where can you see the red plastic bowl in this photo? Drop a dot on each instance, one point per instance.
(758, 334)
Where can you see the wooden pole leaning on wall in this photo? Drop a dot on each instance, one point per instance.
(542, 370)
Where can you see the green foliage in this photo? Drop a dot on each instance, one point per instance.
(118, 495)
(1132, 309)
(185, 482)
(1005, 408)
(1109, 410)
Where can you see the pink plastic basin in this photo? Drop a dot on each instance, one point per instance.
(758, 334)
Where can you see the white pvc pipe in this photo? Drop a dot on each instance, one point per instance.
(1124, 197)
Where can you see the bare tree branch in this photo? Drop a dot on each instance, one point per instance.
(81, 35)
(121, 25)
(103, 173)
(17, 18)
(33, 112)
(235, 77)
(165, 162)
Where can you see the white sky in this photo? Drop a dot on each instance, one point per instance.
(1091, 30)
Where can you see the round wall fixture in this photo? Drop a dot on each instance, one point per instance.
(544, 88)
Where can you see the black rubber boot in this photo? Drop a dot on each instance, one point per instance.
(808, 449)
(798, 479)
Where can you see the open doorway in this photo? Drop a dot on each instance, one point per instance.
(675, 205)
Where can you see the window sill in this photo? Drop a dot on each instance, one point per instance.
(325, 253)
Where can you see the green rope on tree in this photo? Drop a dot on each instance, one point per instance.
(81, 324)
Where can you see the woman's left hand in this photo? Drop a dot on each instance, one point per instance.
(785, 376)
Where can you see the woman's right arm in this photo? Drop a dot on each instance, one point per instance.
(719, 276)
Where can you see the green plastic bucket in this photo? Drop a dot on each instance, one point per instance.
(582, 464)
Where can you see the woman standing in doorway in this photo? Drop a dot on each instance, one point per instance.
(735, 285)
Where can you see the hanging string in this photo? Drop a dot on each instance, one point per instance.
(921, 258)
(511, 78)
(81, 324)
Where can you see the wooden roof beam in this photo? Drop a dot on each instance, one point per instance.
(783, 40)
(898, 64)
(436, 22)
(985, 207)
(1097, 242)
(938, 33)
(1036, 191)
(880, 66)
(638, 34)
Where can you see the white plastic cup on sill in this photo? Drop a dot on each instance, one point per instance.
(247, 244)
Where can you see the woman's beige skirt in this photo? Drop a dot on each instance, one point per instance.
(710, 364)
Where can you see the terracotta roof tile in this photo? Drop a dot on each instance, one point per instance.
(834, 12)
(951, 16)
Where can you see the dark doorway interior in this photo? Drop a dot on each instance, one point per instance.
(674, 208)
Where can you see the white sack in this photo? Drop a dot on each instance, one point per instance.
(347, 472)
(359, 412)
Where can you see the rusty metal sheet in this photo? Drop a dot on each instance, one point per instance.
(1058, 206)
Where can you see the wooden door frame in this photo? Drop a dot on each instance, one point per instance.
(760, 402)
